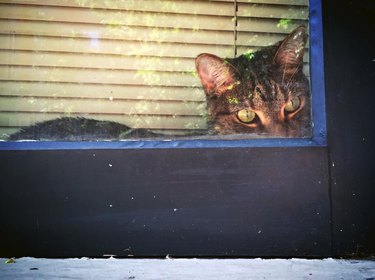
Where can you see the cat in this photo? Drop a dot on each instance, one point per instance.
(259, 93)
(265, 92)
(80, 129)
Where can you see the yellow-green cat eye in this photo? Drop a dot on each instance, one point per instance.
(246, 116)
(293, 104)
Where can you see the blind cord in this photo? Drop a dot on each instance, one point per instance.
(235, 27)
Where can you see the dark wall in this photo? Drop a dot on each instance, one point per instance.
(349, 28)
(182, 202)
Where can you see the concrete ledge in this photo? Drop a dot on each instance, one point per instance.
(85, 268)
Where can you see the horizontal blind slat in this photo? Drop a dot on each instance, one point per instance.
(259, 39)
(117, 19)
(278, 2)
(272, 11)
(141, 121)
(121, 77)
(165, 6)
(268, 25)
(118, 47)
(96, 61)
(96, 33)
(97, 91)
(243, 49)
(84, 106)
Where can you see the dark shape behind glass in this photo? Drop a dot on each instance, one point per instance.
(260, 93)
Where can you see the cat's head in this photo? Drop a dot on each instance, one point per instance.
(264, 92)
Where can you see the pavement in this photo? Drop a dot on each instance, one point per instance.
(215, 269)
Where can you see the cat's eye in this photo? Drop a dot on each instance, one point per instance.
(246, 116)
(293, 104)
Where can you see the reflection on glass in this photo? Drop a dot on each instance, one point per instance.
(94, 70)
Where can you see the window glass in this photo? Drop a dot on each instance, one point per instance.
(109, 70)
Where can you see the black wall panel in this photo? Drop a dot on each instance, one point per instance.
(187, 202)
(350, 93)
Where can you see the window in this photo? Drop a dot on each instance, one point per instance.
(65, 58)
(131, 62)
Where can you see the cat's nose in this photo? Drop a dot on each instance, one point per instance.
(283, 130)
(278, 129)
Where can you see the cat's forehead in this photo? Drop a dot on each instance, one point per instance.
(266, 89)
(256, 58)
(259, 100)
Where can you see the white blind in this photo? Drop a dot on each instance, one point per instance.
(129, 61)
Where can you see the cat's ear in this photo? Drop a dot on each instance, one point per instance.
(289, 55)
(216, 74)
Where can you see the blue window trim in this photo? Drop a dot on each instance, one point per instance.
(318, 114)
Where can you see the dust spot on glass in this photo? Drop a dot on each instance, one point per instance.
(94, 39)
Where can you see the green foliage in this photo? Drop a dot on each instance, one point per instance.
(284, 23)
(249, 55)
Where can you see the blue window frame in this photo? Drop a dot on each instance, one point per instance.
(318, 114)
